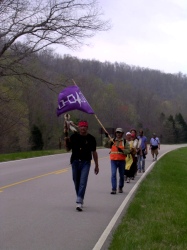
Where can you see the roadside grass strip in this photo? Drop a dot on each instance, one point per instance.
(29, 154)
(157, 216)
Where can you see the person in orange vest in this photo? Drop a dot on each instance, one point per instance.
(119, 149)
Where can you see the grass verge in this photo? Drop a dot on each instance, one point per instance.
(30, 154)
(157, 216)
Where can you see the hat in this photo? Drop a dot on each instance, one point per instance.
(83, 124)
(119, 130)
(128, 133)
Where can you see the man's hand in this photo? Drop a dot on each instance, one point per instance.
(120, 150)
(96, 170)
(106, 134)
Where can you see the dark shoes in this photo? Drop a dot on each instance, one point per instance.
(119, 191)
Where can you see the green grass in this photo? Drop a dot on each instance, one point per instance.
(30, 154)
(157, 217)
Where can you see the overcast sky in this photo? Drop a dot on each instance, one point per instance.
(146, 33)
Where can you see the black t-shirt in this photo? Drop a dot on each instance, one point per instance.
(82, 147)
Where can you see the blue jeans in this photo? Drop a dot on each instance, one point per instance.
(80, 172)
(121, 168)
(141, 163)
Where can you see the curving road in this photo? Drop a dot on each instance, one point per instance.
(37, 204)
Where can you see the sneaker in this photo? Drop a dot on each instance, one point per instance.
(113, 192)
(79, 207)
(143, 170)
(128, 180)
(120, 190)
(139, 171)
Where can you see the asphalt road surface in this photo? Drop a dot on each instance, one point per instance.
(37, 204)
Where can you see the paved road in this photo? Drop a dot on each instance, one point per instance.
(37, 204)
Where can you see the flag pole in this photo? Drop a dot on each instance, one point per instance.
(103, 127)
(74, 82)
(98, 119)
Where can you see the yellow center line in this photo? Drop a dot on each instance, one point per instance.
(60, 171)
(33, 178)
(40, 176)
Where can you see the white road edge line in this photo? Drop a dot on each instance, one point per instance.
(111, 224)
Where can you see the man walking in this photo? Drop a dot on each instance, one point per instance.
(142, 151)
(154, 146)
(119, 149)
(83, 146)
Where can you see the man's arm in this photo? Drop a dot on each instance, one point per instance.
(150, 144)
(146, 147)
(158, 143)
(106, 142)
(95, 157)
(127, 150)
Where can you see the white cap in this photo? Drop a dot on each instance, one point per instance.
(128, 133)
(119, 130)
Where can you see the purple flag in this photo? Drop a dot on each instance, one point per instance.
(71, 98)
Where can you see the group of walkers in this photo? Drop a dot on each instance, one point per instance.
(127, 155)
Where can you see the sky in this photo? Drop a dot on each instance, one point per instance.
(144, 33)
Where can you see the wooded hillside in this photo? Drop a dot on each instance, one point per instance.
(121, 96)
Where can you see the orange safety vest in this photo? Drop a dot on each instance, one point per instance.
(115, 154)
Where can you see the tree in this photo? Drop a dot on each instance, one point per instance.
(170, 133)
(36, 138)
(28, 27)
(181, 128)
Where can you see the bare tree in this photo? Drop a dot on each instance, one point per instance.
(27, 28)
(30, 26)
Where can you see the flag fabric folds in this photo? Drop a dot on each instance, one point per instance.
(71, 98)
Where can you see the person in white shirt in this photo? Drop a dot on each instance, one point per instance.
(154, 146)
